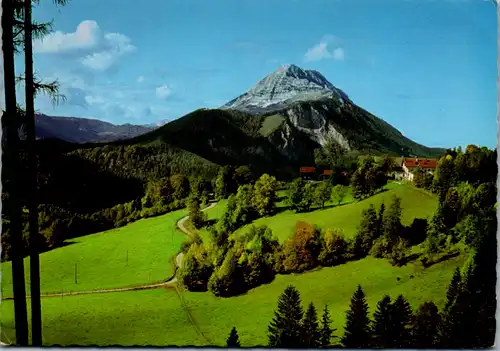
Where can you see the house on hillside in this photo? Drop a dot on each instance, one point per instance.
(307, 173)
(410, 165)
(327, 173)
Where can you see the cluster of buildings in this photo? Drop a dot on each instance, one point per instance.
(403, 168)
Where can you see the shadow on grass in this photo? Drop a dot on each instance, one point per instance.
(427, 263)
(208, 223)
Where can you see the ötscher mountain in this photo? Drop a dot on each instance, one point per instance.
(285, 86)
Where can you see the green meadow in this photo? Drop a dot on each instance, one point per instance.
(136, 254)
(157, 317)
(414, 202)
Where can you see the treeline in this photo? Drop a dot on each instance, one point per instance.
(146, 161)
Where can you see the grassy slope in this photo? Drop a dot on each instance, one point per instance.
(155, 317)
(270, 124)
(102, 258)
(415, 204)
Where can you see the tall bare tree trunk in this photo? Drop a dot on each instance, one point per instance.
(12, 168)
(36, 311)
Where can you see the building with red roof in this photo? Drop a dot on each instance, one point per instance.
(410, 165)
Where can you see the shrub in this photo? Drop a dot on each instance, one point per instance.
(334, 248)
(302, 249)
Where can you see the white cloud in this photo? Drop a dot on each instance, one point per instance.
(97, 50)
(163, 92)
(86, 36)
(322, 50)
(338, 54)
(140, 79)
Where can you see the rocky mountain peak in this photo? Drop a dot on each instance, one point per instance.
(288, 84)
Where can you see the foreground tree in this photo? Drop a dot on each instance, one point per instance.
(401, 319)
(453, 289)
(310, 328)
(233, 341)
(357, 333)
(425, 327)
(11, 159)
(36, 309)
(326, 332)
(383, 329)
(285, 328)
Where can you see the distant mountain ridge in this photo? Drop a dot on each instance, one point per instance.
(84, 130)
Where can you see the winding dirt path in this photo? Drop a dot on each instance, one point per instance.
(178, 261)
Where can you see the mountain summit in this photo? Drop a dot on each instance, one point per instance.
(286, 85)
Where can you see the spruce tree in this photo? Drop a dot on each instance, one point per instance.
(326, 332)
(368, 228)
(425, 327)
(383, 328)
(357, 330)
(233, 341)
(284, 329)
(310, 328)
(401, 318)
(453, 289)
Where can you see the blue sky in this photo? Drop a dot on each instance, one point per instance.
(428, 67)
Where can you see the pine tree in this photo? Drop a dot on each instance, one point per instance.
(401, 318)
(383, 329)
(233, 341)
(326, 332)
(453, 289)
(357, 329)
(310, 328)
(284, 329)
(425, 327)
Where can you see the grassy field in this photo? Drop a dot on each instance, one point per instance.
(156, 317)
(415, 203)
(270, 124)
(138, 253)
